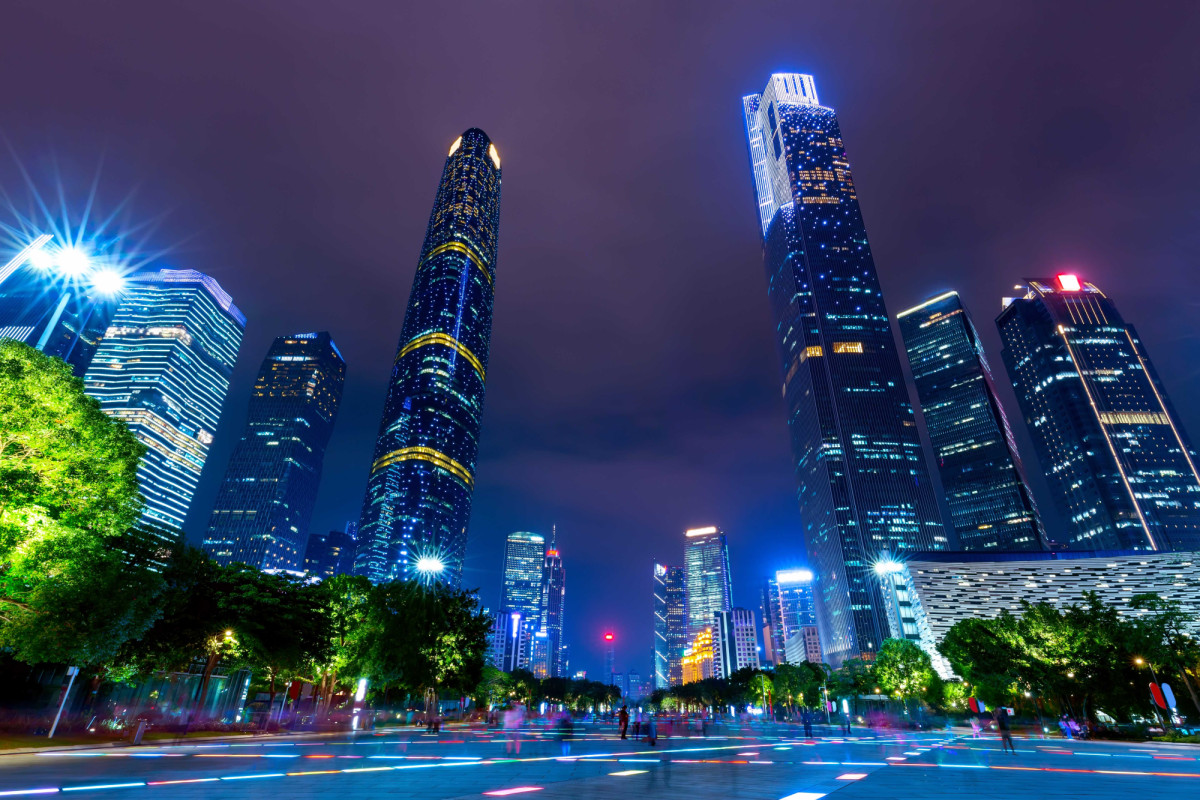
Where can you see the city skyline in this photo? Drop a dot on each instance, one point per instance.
(632, 388)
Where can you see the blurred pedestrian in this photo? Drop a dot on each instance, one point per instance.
(1006, 740)
(623, 720)
(512, 728)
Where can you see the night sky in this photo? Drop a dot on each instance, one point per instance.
(292, 149)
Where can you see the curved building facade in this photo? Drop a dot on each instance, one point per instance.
(418, 498)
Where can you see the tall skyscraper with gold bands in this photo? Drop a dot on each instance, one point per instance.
(418, 500)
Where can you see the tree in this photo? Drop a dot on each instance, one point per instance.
(68, 493)
(854, 677)
(903, 669)
(1164, 638)
(987, 653)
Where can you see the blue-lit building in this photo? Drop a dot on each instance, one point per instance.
(163, 368)
(706, 575)
(265, 503)
(670, 625)
(1115, 456)
(991, 507)
(863, 483)
(554, 596)
(332, 553)
(418, 498)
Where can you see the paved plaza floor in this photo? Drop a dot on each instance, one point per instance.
(773, 764)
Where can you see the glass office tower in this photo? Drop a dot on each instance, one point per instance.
(554, 593)
(524, 562)
(266, 500)
(991, 507)
(1117, 461)
(418, 499)
(163, 367)
(706, 565)
(863, 483)
(670, 625)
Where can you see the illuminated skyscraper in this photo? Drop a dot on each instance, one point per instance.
(265, 503)
(706, 565)
(524, 565)
(788, 609)
(554, 592)
(863, 483)
(991, 507)
(735, 642)
(670, 625)
(332, 553)
(163, 367)
(418, 499)
(1116, 459)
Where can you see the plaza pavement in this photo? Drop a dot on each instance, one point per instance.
(770, 763)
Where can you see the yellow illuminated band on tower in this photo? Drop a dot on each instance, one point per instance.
(438, 459)
(458, 247)
(448, 341)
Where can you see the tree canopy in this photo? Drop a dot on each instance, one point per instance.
(68, 493)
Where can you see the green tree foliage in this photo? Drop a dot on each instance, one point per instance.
(903, 669)
(853, 678)
(68, 493)
(1079, 656)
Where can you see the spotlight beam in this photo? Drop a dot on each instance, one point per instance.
(21, 257)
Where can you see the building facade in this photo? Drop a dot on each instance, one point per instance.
(734, 642)
(991, 507)
(332, 553)
(418, 498)
(670, 625)
(697, 662)
(265, 503)
(706, 565)
(163, 368)
(554, 595)
(787, 607)
(511, 644)
(1115, 457)
(943, 588)
(524, 565)
(863, 486)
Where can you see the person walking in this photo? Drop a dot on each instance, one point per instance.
(806, 718)
(623, 720)
(566, 730)
(1006, 740)
(651, 729)
(637, 725)
(512, 727)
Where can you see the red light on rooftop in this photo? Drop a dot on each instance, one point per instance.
(608, 637)
(552, 553)
(1068, 283)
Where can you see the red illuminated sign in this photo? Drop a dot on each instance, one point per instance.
(608, 637)
(1068, 283)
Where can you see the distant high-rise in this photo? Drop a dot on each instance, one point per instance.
(789, 609)
(863, 483)
(511, 645)
(735, 642)
(698, 656)
(1117, 461)
(982, 477)
(554, 592)
(706, 565)
(265, 503)
(418, 499)
(332, 553)
(163, 368)
(524, 563)
(670, 625)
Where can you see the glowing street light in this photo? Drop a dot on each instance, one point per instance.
(108, 282)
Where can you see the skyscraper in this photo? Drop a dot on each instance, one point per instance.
(332, 553)
(982, 477)
(706, 561)
(418, 498)
(524, 562)
(670, 625)
(554, 592)
(163, 367)
(265, 503)
(863, 483)
(1117, 461)
(735, 642)
(788, 610)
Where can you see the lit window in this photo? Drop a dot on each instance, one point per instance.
(847, 347)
